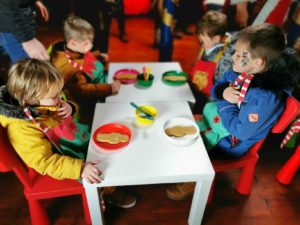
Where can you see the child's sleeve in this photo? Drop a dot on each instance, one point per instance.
(85, 88)
(36, 151)
(251, 119)
(217, 89)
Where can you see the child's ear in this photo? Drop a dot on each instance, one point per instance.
(72, 42)
(259, 62)
(87, 45)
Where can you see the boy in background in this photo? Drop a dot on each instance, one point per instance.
(250, 97)
(85, 82)
(214, 40)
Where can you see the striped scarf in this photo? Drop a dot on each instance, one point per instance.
(244, 78)
(73, 63)
(295, 128)
(30, 117)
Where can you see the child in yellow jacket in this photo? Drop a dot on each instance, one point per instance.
(36, 86)
(41, 129)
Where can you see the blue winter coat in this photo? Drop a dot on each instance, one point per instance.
(251, 121)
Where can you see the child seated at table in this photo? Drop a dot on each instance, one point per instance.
(249, 99)
(214, 40)
(41, 129)
(85, 82)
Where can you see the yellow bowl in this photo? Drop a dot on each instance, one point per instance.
(144, 120)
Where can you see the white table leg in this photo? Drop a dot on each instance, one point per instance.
(94, 204)
(199, 202)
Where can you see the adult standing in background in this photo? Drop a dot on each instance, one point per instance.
(18, 29)
(97, 13)
(237, 11)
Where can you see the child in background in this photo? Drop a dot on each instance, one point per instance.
(214, 39)
(250, 98)
(85, 82)
(40, 127)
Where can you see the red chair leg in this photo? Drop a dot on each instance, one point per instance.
(288, 171)
(245, 181)
(37, 213)
(86, 209)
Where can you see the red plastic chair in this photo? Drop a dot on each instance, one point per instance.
(288, 171)
(248, 162)
(36, 186)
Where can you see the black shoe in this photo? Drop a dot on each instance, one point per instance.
(123, 38)
(121, 199)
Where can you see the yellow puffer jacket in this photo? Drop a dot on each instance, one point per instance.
(33, 146)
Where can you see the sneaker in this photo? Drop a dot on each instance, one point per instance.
(121, 199)
(180, 191)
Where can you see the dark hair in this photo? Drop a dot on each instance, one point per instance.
(265, 41)
(213, 23)
(283, 75)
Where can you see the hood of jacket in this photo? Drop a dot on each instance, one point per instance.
(283, 76)
(10, 108)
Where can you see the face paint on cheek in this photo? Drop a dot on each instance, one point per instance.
(244, 58)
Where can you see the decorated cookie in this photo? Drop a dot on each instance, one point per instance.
(112, 138)
(180, 131)
(126, 76)
(175, 78)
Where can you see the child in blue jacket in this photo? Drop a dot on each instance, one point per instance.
(249, 99)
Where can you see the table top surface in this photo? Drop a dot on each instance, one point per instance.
(159, 91)
(148, 158)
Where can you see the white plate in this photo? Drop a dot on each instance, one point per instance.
(180, 121)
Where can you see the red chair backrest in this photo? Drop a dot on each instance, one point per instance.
(10, 161)
(291, 111)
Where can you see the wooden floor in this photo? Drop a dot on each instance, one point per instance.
(270, 203)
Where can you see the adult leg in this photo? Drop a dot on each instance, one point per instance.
(120, 17)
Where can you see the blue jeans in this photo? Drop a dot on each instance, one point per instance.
(12, 47)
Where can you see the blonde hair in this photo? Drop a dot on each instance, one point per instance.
(30, 80)
(78, 29)
(213, 23)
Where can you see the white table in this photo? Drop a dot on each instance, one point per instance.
(159, 91)
(149, 158)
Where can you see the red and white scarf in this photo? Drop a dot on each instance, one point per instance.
(295, 128)
(244, 78)
(73, 63)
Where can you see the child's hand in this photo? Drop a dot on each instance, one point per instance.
(231, 94)
(104, 56)
(64, 110)
(91, 173)
(115, 87)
